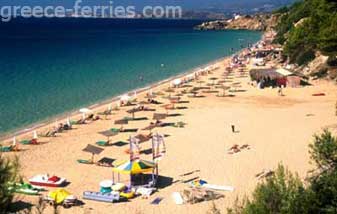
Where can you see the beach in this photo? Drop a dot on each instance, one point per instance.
(277, 129)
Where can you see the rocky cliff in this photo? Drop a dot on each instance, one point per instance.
(261, 22)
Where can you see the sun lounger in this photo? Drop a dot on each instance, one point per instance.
(49, 134)
(123, 130)
(204, 184)
(29, 142)
(179, 125)
(106, 112)
(6, 148)
(82, 161)
(106, 162)
(102, 143)
(218, 187)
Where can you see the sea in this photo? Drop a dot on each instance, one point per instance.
(49, 67)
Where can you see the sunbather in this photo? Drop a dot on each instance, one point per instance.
(234, 149)
(152, 101)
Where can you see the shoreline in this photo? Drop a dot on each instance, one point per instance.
(100, 104)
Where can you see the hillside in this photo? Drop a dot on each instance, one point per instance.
(259, 22)
(308, 32)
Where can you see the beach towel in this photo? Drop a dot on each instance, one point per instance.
(102, 143)
(177, 198)
(204, 184)
(157, 200)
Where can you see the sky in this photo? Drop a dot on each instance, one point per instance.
(187, 4)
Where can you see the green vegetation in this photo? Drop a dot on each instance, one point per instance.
(315, 29)
(8, 174)
(284, 192)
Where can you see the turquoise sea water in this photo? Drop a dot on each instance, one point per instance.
(48, 67)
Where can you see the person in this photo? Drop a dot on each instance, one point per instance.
(280, 91)
(233, 128)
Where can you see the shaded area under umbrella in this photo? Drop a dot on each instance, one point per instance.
(94, 150)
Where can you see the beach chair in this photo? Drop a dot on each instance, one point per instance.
(49, 134)
(102, 143)
(106, 112)
(6, 149)
(29, 142)
(80, 122)
(83, 161)
(179, 125)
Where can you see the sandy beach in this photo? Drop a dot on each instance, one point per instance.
(278, 129)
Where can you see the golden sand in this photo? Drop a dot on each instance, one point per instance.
(277, 130)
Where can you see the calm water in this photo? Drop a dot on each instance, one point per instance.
(48, 67)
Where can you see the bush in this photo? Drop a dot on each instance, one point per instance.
(283, 192)
(8, 173)
(332, 61)
(305, 56)
(323, 151)
(286, 193)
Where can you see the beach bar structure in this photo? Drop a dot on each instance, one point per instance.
(276, 76)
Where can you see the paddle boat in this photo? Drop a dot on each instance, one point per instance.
(25, 188)
(102, 197)
(61, 197)
(46, 180)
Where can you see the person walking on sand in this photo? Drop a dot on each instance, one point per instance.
(280, 91)
(233, 128)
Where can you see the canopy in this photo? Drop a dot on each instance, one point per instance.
(133, 110)
(158, 116)
(59, 195)
(14, 141)
(34, 135)
(93, 149)
(85, 110)
(125, 98)
(108, 133)
(283, 72)
(121, 122)
(134, 167)
(176, 82)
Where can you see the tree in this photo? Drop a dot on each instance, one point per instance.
(317, 33)
(323, 151)
(8, 174)
(323, 188)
